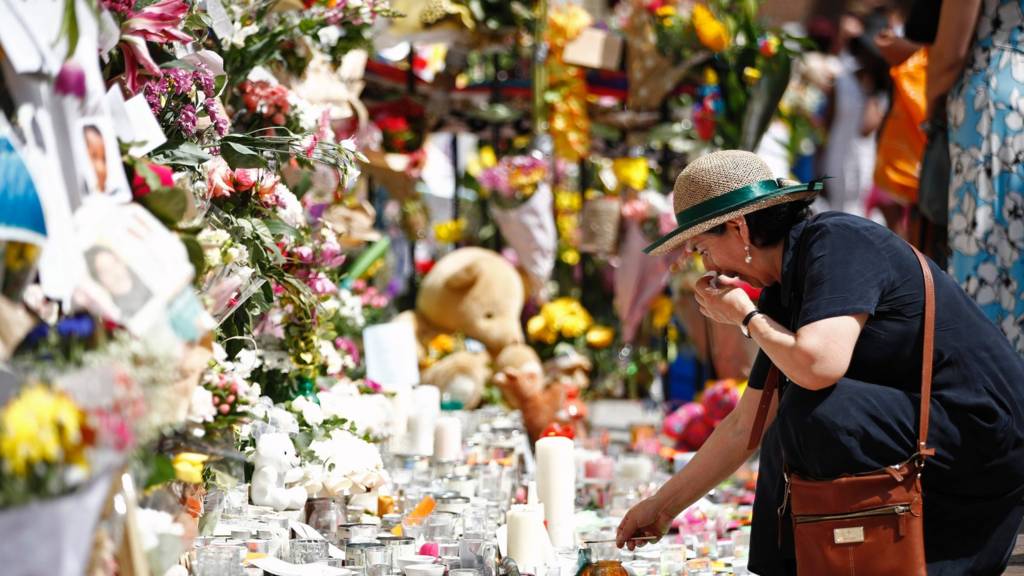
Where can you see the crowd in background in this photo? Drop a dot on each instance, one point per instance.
(925, 133)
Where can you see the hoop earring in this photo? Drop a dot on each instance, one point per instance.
(748, 259)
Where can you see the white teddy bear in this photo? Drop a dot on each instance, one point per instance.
(276, 468)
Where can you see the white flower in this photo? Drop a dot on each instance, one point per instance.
(201, 408)
(370, 413)
(154, 523)
(289, 208)
(236, 253)
(329, 35)
(348, 461)
(351, 308)
(334, 361)
(213, 237)
(241, 34)
(282, 420)
(330, 306)
(246, 361)
(310, 410)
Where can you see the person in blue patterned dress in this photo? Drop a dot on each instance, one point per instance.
(984, 73)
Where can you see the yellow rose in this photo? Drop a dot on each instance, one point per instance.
(188, 467)
(710, 31)
(600, 337)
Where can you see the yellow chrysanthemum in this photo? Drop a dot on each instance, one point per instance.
(667, 10)
(631, 172)
(710, 31)
(535, 327)
(751, 75)
(661, 311)
(450, 231)
(188, 467)
(600, 337)
(570, 256)
(488, 159)
(40, 426)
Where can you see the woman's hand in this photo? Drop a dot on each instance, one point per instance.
(725, 302)
(648, 518)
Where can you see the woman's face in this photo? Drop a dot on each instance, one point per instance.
(98, 156)
(724, 254)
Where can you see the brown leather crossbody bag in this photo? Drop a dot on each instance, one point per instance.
(869, 523)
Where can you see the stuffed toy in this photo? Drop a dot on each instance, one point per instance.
(476, 295)
(540, 404)
(275, 465)
(692, 424)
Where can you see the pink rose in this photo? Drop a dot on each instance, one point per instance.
(219, 179)
(246, 178)
(224, 408)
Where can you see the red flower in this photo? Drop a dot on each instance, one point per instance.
(393, 124)
(141, 188)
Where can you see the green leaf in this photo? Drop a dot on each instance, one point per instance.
(182, 154)
(279, 228)
(167, 204)
(195, 254)
(241, 156)
(69, 27)
(161, 470)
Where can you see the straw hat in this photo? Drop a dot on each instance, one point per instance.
(721, 186)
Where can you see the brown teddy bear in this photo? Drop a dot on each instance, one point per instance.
(477, 295)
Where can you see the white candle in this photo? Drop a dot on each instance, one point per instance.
(556, 486)
(447, 439)
(634, 470)
(526, 537)
(426, 402)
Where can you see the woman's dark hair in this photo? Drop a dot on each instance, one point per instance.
(770, 225)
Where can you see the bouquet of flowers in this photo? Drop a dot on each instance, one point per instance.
(402, 124)
(513, 180)
(566, 320)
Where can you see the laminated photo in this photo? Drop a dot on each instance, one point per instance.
(98, 159)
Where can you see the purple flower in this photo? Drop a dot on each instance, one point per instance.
(180, 79)
(154, 91)
(71, 80)
(187, 119)
(119, 6)
(221, 126)
(204, 78)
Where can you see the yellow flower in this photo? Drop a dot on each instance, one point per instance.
(188, 467)
(535, 327)
(710, 31)
(40, 426)
(631, 172)
(567, 201)
(600, 337)
(710, 76)
(442, 344)
(661, 311)
(450, 231)
(751, 75)
(667, 10)
(20, 255)
(570, 256)
(487, 157)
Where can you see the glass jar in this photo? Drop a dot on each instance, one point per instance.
(308, 551)
(324, 516)
(600, 560)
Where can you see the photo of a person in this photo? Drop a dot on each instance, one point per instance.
(99, 158)
(126, 290)
(96, 148)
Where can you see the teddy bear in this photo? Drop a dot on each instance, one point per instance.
(276, 468)
(478, 295)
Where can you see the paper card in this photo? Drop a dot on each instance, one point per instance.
(594, 48)
(391, 355)
(98, 158)
(222, 25)
(109, 34)
(30, 35)
(147, 134)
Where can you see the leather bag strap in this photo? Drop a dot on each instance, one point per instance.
(771, 382)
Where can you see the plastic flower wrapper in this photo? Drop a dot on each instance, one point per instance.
(639, 278)
(530, 230)
(369, 413)
(162, 538)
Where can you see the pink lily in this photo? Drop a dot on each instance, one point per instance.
(159, 22)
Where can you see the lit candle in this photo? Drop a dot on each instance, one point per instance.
(556, 486)
(447, 439)
(526, 537)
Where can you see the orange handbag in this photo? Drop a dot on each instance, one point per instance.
(869, 523)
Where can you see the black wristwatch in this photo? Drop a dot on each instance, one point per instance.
(745, 325)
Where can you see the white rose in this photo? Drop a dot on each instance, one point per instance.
(310, 410)
(329, 35)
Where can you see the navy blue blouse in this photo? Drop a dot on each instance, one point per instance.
(837, 264)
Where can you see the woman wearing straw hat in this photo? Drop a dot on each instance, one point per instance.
(841, 317)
